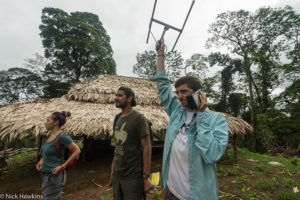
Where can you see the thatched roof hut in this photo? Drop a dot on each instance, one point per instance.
(103, 90)
(237, 126)
(92, 107)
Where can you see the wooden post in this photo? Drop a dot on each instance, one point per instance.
(5, 143)
(235, 146)
(39, 142)
(84, 148)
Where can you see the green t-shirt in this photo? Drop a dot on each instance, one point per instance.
(127, 136)
(51, 158)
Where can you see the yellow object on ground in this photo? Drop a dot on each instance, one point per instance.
(154, 177)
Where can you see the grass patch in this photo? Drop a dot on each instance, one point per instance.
(256, 178)
(267, 185)
(287, 195)
(20, 156)
(238, 179)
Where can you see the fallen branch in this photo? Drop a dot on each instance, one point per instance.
(228, 194)
(96, 183)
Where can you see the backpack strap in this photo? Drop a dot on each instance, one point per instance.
(57, 146)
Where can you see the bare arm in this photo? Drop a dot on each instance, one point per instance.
(146, 145)
(76, 151)
(161, 57)
(145, 141)
(39, 165)
(112, 169)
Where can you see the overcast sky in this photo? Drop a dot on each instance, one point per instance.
(126, 22)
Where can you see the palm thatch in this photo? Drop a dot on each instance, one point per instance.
(103, 90)
(92, 107)
(28, 118)
(238, 126)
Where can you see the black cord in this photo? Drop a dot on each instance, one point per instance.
(153, 37)
(156, 42)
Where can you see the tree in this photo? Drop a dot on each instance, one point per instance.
(290, 97)
(197, 65)
(51, 88)
(146, 64)
(18, 84)
(292, 69)
(175, 65)
(259, 39)
(76, 45)
(236, 31)
(37, 65)
(231, 66)
(273, 24)
(173, 62)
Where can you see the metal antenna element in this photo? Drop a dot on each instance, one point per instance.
(167, 26)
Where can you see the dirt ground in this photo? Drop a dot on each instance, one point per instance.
(87, 181)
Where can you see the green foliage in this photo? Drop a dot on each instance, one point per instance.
(17, 84)
(231, 66)
(294, 161)
(267, 44)
(197, 66)
(175, 66)
(257, 180)
(76, 44)
(208, 87)
(55, 88)
(146, 64)
(173, 63)
(105, 198)
(157, 191)
(267, 185)
(287, 195)
(265, 134)
(26, 142)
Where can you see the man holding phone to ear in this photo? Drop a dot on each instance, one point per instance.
(195, 140)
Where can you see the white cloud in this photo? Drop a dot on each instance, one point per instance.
(125, 21)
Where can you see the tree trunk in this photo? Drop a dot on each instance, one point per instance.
(265, 92)
(252, 111)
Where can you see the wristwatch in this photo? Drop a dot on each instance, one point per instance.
(146, 175)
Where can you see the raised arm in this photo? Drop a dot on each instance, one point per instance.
(160, 56)
(165, 93)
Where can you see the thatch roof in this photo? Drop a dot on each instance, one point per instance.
(28, 118)
(103, 90)
(92, 110)
(238, 126)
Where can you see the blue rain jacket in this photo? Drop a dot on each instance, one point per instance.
(207, 142)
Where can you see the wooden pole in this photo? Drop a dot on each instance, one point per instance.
(84, 148)
(39, 141)
(235, 146)
(3, 162)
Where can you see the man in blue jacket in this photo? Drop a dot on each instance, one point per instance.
(195, 139)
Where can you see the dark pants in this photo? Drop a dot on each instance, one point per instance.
(128, 189)
(169, 195)
(52, 185)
